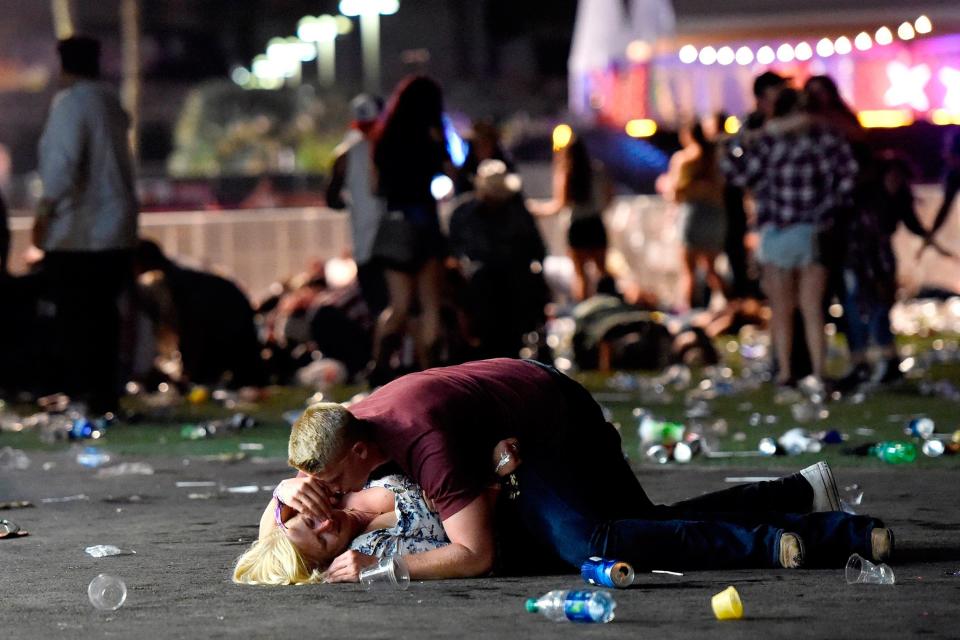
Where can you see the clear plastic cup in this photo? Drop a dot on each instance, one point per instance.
(862, 571)
(727, 605)
(389, 573)
(107, 593)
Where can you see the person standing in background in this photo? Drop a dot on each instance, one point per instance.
(352, 174)
(86, 224)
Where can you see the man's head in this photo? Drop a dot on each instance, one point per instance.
(365, 109)
(327, 441)
(494, 183)
(80, 56)
(766, 87)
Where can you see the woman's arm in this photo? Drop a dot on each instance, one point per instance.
(556, 203)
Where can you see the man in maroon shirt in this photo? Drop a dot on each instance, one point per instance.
(577, 495)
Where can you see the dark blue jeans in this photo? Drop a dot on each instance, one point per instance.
(864, 323)
(574, 502)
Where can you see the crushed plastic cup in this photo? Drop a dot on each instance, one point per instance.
(389, 573)
(107, 593)
(106, 550)
(933, 448)
(8, 528)
(13, 459)
(126, 469)
(861, 571)
(727, 605)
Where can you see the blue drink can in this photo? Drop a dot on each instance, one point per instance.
(607, 573)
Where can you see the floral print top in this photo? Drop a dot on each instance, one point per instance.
(418, 529)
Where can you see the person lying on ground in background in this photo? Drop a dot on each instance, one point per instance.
(572, 496)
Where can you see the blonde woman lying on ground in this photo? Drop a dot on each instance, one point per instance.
(391, 516)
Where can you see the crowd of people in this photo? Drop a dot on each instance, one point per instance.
(800, 204)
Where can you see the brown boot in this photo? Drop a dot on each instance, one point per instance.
(881, 544)
(791, 551)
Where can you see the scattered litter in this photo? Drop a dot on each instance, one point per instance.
(79, 496)
(10, 529)
(954, 574)
(48, 465)
(727, 605)
(93, 457)
(861, 571)
(247, 488)
(105, 550)
(15, 504)
(183, 484)
(741, 479)
(251, 446)
(13, 459)
(107, 593)
(864, 431)
(667, 573)
(126, 469)
(607, 573)
(199, 496)
(390, 573)
(235, 456)
(587, 605)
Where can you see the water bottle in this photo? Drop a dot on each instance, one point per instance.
(587, 605)
(920, 428)
(92, 457)
(895, 451)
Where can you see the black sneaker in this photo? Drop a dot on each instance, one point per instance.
(888, 372)
(857, 376)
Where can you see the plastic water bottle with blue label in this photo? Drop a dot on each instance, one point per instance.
(586, 605)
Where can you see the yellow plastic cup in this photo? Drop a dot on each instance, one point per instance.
(727, 605)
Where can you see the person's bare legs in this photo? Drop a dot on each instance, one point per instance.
(394, 319)
(578, 286)
(688, 276)
(429, 287)
(813, 283)
(714, 281)
(779, 285)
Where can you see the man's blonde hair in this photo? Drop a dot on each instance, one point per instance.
(273, 560)
(320, 436)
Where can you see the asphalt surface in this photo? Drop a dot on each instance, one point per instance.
(178, 580)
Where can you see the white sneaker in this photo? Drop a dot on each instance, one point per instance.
(825, 495)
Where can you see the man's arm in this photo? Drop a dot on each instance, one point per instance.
(469, 554)
(338, 175)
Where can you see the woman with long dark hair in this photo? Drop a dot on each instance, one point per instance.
(580, 187)
(409, 150)
(695, 183)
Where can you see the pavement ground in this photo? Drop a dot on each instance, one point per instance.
(178, 580)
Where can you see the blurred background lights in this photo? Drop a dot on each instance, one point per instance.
(441, 186)
(708, 55)
(731, 125)
(765, 55)
(803, 51)
(562, 135)
(825, 48)
(725, 55)
(639, 51)
(923, 25)
(642, 128)
(842, 45)
(905, 31)
(863, 41)
(354, 8)
(744, 55)
(688, 53)
(883, 36)
(785, 52)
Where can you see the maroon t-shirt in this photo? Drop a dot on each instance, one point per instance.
(440, 426)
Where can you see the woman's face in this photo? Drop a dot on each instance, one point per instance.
(319, 541)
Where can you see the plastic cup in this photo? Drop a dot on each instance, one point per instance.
(107, 593)
(861, 571)
(390, 573)
(727, 605)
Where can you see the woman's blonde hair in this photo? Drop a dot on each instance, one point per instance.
(273, 560)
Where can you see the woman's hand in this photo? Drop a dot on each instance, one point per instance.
(506, 457)
(308, 495)
(347, 566)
